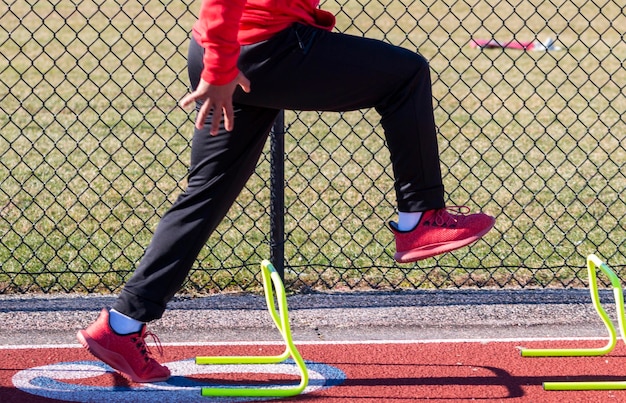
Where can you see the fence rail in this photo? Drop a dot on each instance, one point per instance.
(93, 149)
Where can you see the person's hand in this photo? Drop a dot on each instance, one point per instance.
(218, 98)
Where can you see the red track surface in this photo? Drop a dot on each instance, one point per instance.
(374, 372)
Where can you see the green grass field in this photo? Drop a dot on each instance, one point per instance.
(94, 148)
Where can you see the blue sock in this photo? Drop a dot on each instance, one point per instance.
(408, 220)
(123, 324)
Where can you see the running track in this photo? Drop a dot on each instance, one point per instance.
(377, 371)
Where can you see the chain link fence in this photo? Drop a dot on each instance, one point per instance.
(93, 148)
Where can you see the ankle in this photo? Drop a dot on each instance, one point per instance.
(123, 324)
(408, 220)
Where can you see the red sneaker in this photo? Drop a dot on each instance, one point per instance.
(439, 231)
(126, 353)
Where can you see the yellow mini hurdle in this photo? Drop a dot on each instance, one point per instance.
(271, 280)
(594, 264)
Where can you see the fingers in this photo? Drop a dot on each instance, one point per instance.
(218, 111)
(198, 94)
(202, 114)
(244, 83)
(204, 110)
(217, 98)
(215, 122)
(229, 117)
(221, 109)
(186, 100)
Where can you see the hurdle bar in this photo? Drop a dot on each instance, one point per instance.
(271, 280)
(594, 264)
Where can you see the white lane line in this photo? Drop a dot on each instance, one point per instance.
(337, 342)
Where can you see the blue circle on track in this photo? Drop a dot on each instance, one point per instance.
(49, 381)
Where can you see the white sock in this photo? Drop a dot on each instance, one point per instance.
(408, 220)
(123, 324)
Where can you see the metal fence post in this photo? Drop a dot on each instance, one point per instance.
(277, 194)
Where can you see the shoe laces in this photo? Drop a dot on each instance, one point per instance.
(144, 349)
(450, 215)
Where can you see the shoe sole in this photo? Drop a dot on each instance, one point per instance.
(114, 360)
(427, 251)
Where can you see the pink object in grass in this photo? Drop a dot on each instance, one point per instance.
(514, 44)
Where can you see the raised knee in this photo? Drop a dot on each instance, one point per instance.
(421, 63)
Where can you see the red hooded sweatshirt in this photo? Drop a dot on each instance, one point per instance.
(224, 25)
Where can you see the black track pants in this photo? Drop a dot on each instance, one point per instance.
(301, 68)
